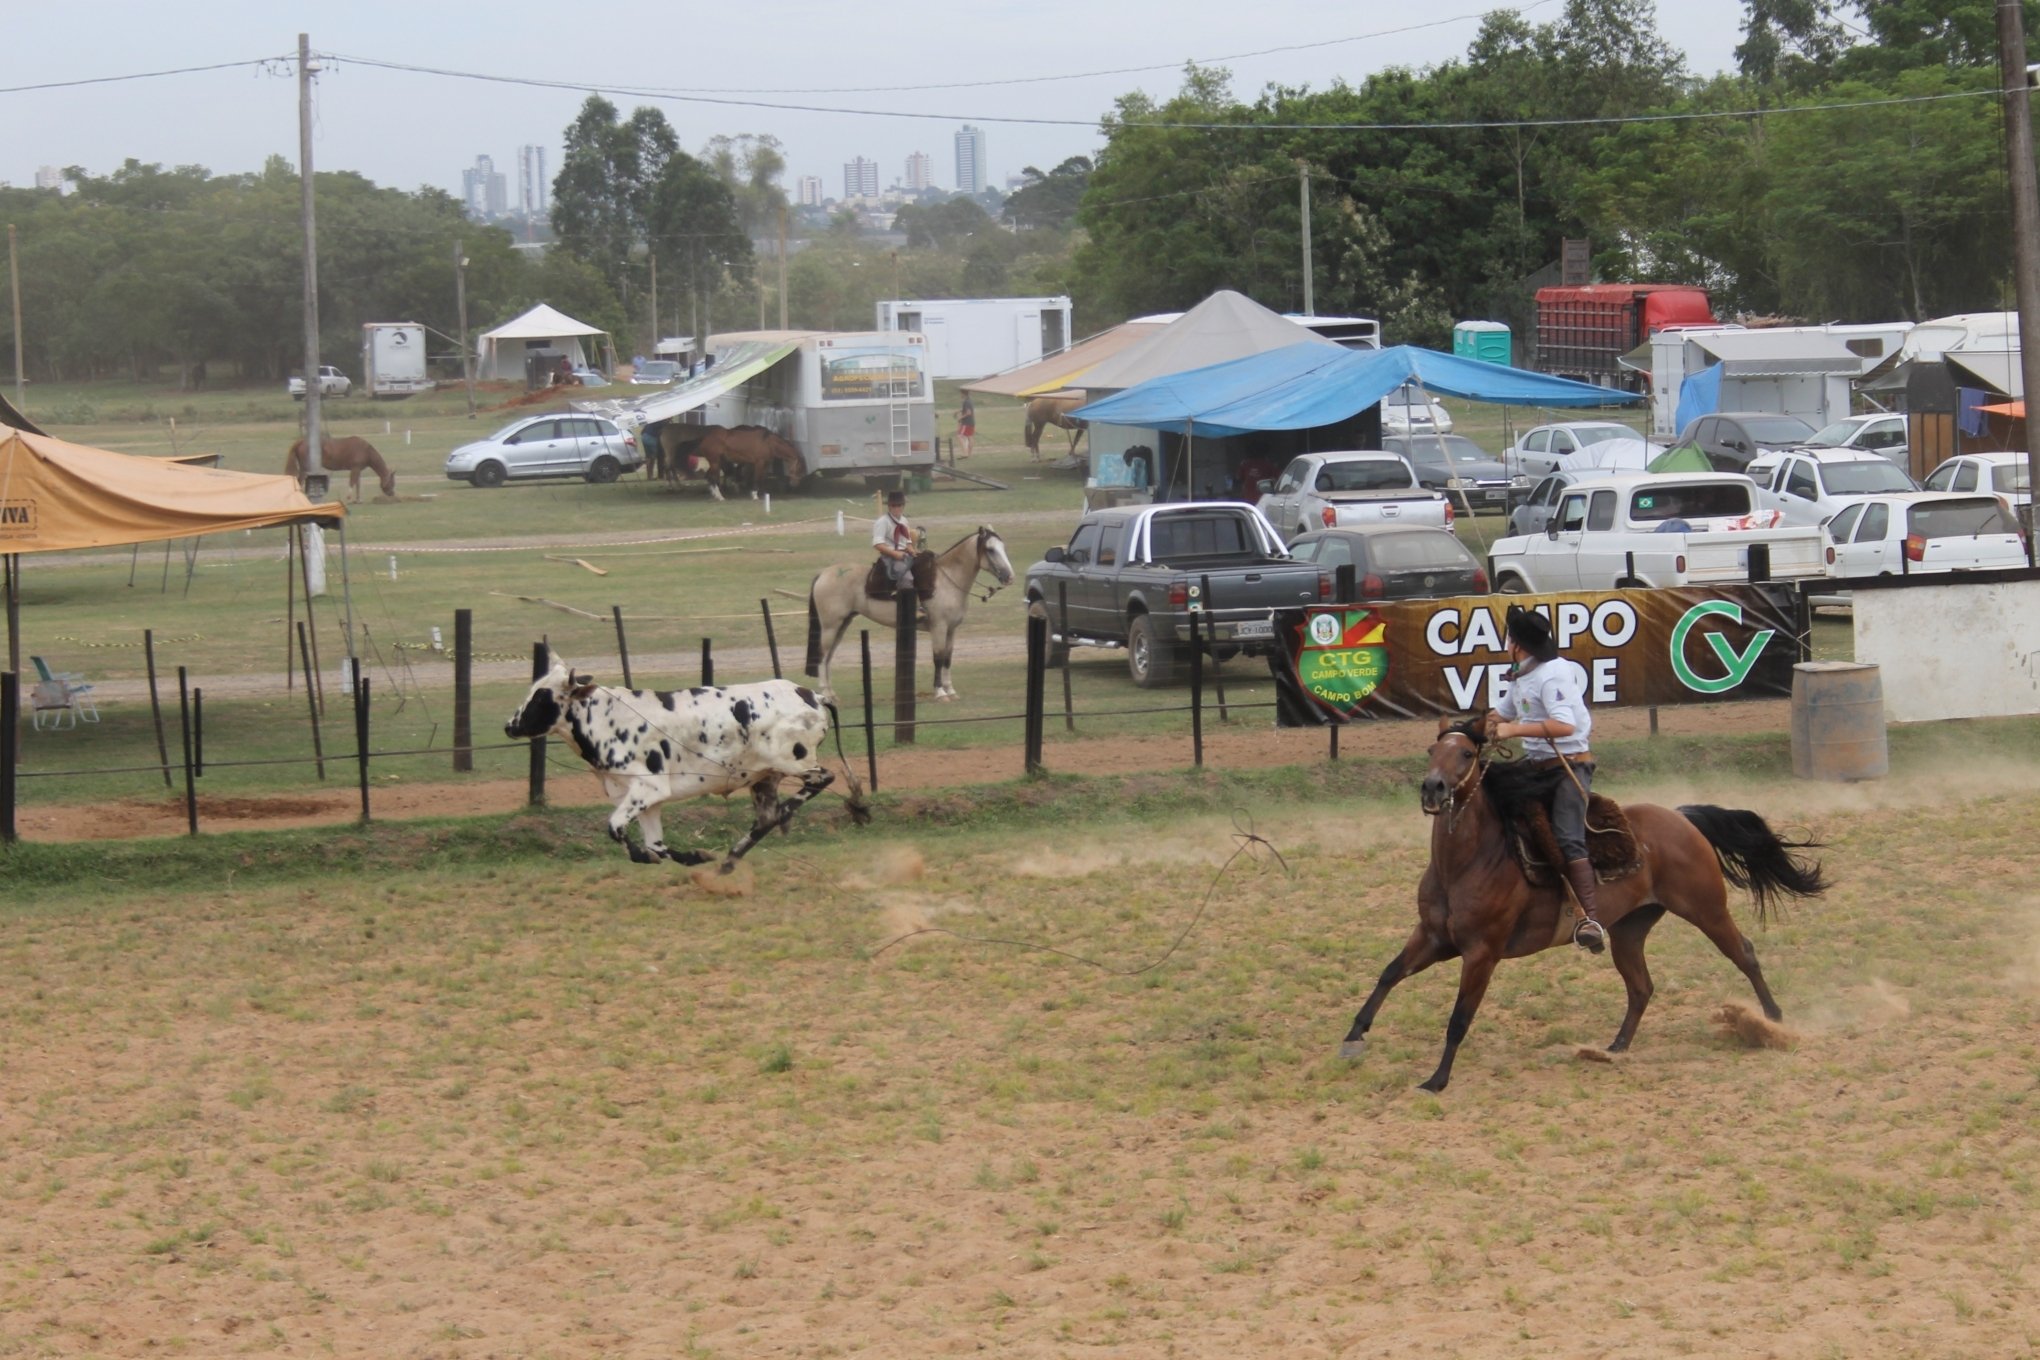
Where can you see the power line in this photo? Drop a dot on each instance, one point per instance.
(141, 75)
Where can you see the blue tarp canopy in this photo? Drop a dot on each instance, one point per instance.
(1699, 395)
(1301, 387)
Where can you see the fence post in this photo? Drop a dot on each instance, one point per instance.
(1335, 741)
(1196, 693)
(311, 700)
(10, 715)
(903, 669)
(535, 797)
(707, 663)
(198, 731)
(463, 689)
(184, 723)
(771, 639)
(870, 732)
(1217, 666)
(1037, 661)
(361, 737)
(622, 645)
(156, 703)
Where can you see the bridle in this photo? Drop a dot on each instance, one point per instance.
(984, 533)
(1465, 784)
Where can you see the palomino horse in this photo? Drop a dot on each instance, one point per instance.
(1043, 412)
(349, 455)
(837, 596)
(1474, 903)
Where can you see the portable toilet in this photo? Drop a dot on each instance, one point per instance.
(1484, 340)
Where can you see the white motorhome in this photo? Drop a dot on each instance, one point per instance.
(972, 337)
(1803, 371)
(854, 403)
(393, 359)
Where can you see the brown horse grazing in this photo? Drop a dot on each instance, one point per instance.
(754, 451)
(1475, 904)
(349, 455)
(675, 444)
(1043, 412)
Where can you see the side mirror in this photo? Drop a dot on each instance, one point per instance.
(1054, 554)
(1551, 528)
(1264, 486)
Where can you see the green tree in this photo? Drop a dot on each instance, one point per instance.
(1049, 201)
(696, 230)
(603, 195)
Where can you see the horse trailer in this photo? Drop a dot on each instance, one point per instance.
(855, 404)
(973, 337)
(393, 359)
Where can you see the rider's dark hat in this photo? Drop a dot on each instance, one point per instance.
(895, 497)
(1528, 630)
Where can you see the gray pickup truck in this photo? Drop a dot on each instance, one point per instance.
(1131, 577)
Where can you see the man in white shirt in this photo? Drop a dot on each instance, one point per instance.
(893, 537)
(1546, 705)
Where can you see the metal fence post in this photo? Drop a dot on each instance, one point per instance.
(156, 702)
(184, 724)
(1196, 693)
(311, 700)
(707, 663)
(361, 736)
(10, 717)
(622, 644)
(1062, 594)
(198, 731)
(463, 689)
(1037, 660)
(906, 641)
(771, 638)
(1217, 666)
(870, 731)
(540, 664)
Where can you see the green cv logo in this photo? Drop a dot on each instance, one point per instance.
(1739, 663)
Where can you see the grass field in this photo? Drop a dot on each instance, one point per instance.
(482, 1088)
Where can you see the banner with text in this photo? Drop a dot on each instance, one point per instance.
(1417, 658)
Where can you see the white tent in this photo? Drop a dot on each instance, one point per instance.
(1226, 325)
(500, 353)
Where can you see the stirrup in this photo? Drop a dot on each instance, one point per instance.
(1590, 935)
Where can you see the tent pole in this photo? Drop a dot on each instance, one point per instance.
(1444, 453)
(315, 681)
(290, 606)
(14, 613)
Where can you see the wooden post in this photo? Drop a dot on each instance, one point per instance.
(1037, 661)
(622, 644)
(463, 689)
(311, 700)
(361, 737)
(707, 662)
(198, 731)
(540, 664)
(771, 638)
(10, 714)
(156, 703)
(870, 730)
(1335, 741)
(1196, 693)
(904, 639)
(184, 724)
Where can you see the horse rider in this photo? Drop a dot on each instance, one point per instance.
(893, 537)
(1546, 705)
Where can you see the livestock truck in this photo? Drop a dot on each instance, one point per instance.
(393, 359)
(1583, 330)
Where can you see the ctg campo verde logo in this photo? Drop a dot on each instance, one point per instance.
(1739, 664)
(1343, 657)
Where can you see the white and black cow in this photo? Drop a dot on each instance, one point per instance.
(650, 746)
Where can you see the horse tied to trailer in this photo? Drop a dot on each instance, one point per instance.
(649, 747)
(838, 595)
(1476, 903)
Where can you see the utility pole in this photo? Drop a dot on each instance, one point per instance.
(782, 272)
(14, 291)
(2011, 31)
(1303, 189)
(315, 471)
(467, 361)
(652, 347)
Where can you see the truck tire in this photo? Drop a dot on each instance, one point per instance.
(1058, 652)
(1511, 585)
(603, 470)
(489, 474)
(1150, 659)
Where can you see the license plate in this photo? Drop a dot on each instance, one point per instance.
(1254, 628)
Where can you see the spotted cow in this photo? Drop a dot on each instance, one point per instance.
(650, 746)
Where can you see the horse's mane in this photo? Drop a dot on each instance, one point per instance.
(981, 529)
(1512, 787)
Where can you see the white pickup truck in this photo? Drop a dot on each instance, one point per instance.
(332, 383)
(1654, 530)
(1339, 490)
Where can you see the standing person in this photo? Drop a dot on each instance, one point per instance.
(966, 427)
(893, 537)
(1546, 705)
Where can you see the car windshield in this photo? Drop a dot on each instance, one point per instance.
(2011, 477)
(1835, 436)
(512, 428)
(1601, 434)
(1958, 519)
(1457, 447)
(1373, 475)
(1864, 478)
(1777, 431)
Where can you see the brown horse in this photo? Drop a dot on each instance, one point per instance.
(1043, 412)
(675, 444)
(1475, 904)
(756, 453)
(349, 455)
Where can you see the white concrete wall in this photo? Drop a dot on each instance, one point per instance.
(1953, 651)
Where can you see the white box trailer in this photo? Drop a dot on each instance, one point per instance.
(1804, 371)
(856, 404)
(393, 359)
(973, 337)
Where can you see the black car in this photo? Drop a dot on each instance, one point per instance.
(1454, 464)
(1730, 440)
(1396, 561)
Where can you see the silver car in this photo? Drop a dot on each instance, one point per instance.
(561, 445)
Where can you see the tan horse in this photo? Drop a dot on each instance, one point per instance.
(756, 451)
(1043, 412)
(677, 442)
(349, 455)
(837, 596)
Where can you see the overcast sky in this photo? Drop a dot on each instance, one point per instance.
(409, 130)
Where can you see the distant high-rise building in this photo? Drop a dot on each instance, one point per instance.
(970, 160)
(486, 193)
(49, 177)
(860, 178)
(920, 170)
(532, 185)
(810, 191)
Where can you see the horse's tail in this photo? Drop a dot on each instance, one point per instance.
(860, 811)
(814, 630)
(1757, 859)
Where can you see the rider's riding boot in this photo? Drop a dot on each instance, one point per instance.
(1580, 873)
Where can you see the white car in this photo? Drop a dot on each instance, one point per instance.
(1627, 454)
(1880, 433)
(1540, 450)
(332, 383)
(1407, 411)
(564, 445)
(1922, 531)
(2003, 475)
(1811, 486)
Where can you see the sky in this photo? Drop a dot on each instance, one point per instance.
(408, 130)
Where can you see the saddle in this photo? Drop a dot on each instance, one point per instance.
(878, 582)
(1611, 845)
